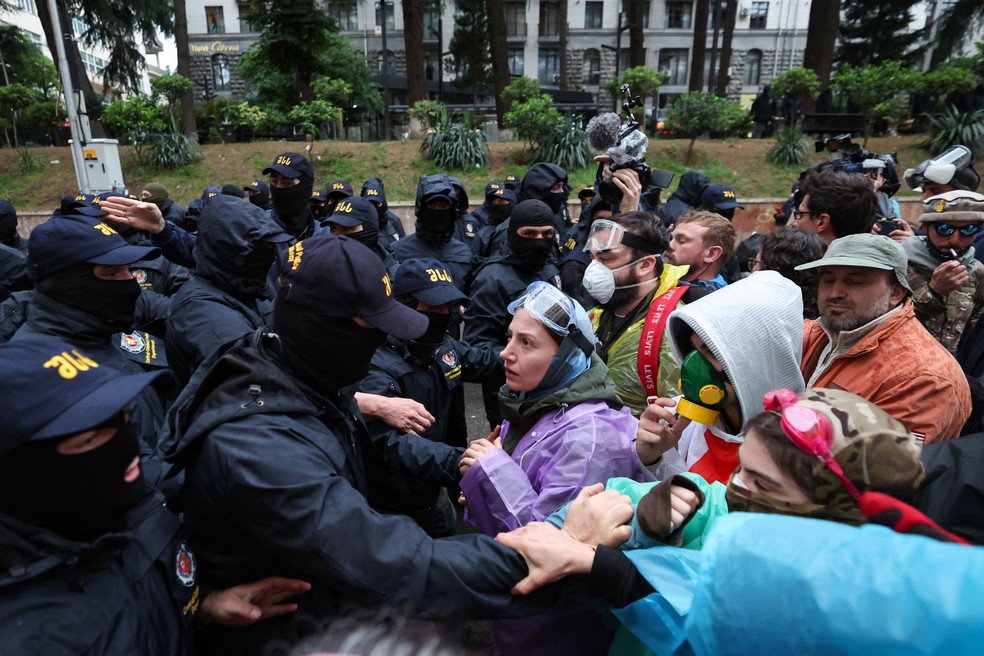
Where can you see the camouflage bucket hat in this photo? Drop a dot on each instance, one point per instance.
(874, 449)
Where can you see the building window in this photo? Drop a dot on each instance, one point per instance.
(592, 66)
(716, 55)
(79, 27)
(592, 15)
(646, 7)
(214, 20)
(673, 62)
(245, 27)
(93, 65)
(679, 14)
(387, 61)
(390, 16)
(549, 19)
(515, 19)
(753, 68)
(28, 6)
(758, 15)
(517, 62)
(345, 14)
(432, 21)
(35, 38)
(549, 69)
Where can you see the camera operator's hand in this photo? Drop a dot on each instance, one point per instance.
(628, 183)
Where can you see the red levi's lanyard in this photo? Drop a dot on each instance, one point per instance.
(652, 337)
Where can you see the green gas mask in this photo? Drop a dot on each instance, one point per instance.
(703, 387)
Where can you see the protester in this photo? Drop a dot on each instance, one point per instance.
(868, 340)
(783, 251)
(703, 242)
(835, 204)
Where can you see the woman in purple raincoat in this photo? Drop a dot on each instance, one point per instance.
(564, 428)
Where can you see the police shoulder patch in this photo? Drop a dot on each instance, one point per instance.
(133, 342)
(450, 358)
(185, 567)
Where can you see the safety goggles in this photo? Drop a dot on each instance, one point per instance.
(810, 431)
(940, 170)
(608, 236)
(555, 310)
(945, 229)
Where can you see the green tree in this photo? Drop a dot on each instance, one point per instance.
(308, 117)
(520, 90)
(879, 91)
(949, 78)
(336, 60)
(291, 50)
(955, 25)
(533, 120)
(801, 83)
(470, 47)
(698, 112)
(25, 63)
(12, 98)
(874, 31)
(135, 120)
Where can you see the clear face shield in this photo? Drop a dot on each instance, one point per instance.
(939, 170)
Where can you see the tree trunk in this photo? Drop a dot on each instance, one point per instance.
(562, 51)
(699, 48)
(500, 55)
(633, 16)
(413, 39)
(729, 18)
(188, 122)
(821, 37)
(80, 80)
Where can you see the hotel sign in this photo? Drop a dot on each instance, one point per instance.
(215, 46)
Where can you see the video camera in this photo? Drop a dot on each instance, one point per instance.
(626, 147)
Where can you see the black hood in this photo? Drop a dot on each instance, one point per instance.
(228, 230)
(692, 185)
(539, 179)
(373, 190)
(461, 193)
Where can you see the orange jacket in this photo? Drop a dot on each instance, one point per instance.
(900, 368)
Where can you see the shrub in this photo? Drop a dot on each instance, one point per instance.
(567, 145)
(456, 146)
(521, 90)
(309, 117)
(533, 120)
(428, 112)
(951, 127)
(172, 150)
(699, 112)
(801, 83)
(790, 148)
(28, 162)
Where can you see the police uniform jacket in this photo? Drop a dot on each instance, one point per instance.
(276, 485)
(393, 374)
(126, 353)
(132, 592)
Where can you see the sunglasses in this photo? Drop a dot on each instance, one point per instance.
(810, 431)
(945, 229)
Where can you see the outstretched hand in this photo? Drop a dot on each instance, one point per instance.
(248, 603)
(599, 516)
(550, 554)
(135, 213)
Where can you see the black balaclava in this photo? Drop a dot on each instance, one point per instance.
(435, 227)
(499, 213)
(531, 253)
(79, 496)
(423, 349)
(326, 353)
(255, 269)
(262, 196)
(539, 180)
(8, 224)
(368, 236)
(292, 207)
(112, 301)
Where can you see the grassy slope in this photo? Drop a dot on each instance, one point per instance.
(738, 162)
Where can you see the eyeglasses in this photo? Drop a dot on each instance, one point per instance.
(752, 263)
(810, 431)
(945, 229)
(797, 214)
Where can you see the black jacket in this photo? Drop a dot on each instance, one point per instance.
(685, 198)
(133, 592)
(538, 181)
(216, 306)
(276, 485)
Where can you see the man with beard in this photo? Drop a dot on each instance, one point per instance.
(291, 184)
(276, 454)
(574, 258)
(548, 182)
(358, 219)
(868, 340)
(947, 281)
(636, 293)
(390, 225)
(502, 278)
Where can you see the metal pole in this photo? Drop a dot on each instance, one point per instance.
(618, 47)
(386, 92)
(440, 58)
(716, 19)
(81, 175)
